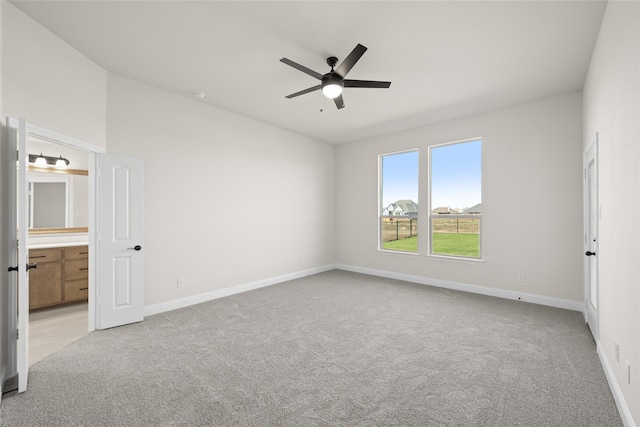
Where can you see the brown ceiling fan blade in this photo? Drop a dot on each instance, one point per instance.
(351, 60)
(302, 92)
(302, 68)
(366, 83)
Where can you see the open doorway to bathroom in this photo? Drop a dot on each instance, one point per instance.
(58, 196)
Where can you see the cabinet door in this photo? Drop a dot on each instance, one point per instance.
(45, 285)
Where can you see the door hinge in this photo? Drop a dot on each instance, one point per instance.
(17, 334)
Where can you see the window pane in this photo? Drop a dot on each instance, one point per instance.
(399, 202)
(456, 202)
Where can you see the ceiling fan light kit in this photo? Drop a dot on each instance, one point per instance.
(334, 81)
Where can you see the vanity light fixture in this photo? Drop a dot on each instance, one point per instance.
(42, 161)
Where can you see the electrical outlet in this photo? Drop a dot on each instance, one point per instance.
(181, 282)
(617, 352)
(520, 277)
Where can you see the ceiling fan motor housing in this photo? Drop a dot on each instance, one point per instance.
(332, 79)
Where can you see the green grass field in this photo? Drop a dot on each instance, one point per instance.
(443, 244)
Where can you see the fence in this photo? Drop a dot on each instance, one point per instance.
(403, 227)
(456, 224)
(398, 227)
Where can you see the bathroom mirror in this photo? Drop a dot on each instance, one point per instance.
(58, 200)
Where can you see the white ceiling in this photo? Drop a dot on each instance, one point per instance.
(445, 59)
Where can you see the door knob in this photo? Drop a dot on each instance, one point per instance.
(135, 248)
(589, 253)
(28, 266)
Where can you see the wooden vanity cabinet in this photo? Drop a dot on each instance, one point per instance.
(62, 276)
(45, 281)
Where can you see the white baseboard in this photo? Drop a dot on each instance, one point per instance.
(465, 287)
(150, 310)
(3, 372)
(621, 403)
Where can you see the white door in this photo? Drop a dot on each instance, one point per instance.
(120, 240)
(18, 250)
(591, 237)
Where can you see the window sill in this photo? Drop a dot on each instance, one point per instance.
(402, 253)
(457, 260)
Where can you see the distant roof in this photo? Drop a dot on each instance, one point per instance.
(477, 209)
(441, 210)
(407, 205)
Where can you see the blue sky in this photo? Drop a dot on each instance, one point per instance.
(455, 176)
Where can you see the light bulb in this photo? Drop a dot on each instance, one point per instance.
(332, 90)
(61, 163)
(41, 161)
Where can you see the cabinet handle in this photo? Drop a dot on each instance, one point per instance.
(83, 289)
(86, 268)
(83, 253)
(37, 256)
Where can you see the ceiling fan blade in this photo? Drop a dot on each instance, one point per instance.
(339, 101)
(302, 68)
(351, 60)
(302, 92)
(366, 83)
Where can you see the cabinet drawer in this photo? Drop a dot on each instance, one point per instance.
(76, 252)
(44, 255)
(76, 269)
(76, 290)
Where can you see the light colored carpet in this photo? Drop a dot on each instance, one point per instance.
(333, 349)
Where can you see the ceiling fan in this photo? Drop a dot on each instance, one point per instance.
(334, 81)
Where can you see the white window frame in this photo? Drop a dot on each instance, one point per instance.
(430, 215)
(381, 207)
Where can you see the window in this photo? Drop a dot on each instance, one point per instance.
(398, 208)
(456, 203)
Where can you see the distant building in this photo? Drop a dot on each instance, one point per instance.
(473, 210)
(442, 210)
(402, 207)
(477, 209)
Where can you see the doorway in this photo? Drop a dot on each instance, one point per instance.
(113, 258)
(58, 222)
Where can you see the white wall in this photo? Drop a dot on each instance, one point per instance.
(612, 108)
(531, 200)
(50, 83)
(228, 200)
